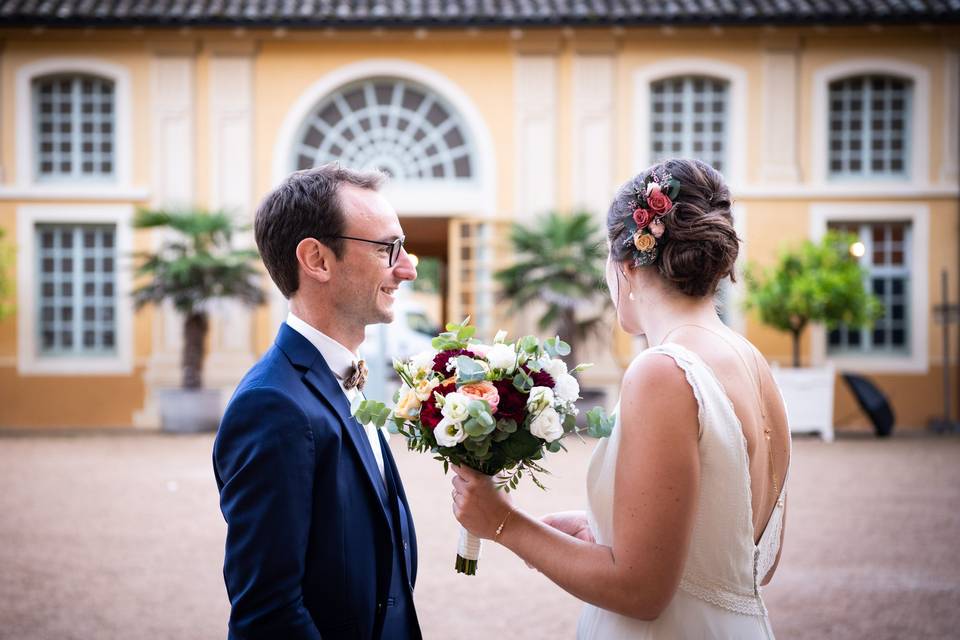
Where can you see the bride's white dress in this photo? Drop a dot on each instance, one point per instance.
(719, 593)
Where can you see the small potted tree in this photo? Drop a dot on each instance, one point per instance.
(194, 266)
(818, 282)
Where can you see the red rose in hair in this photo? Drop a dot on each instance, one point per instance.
(513, 404)
(441, 359)
(430, 415)
(642, 217)
(658, 201)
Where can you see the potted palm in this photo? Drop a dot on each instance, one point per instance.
(194, 266)
(818, 282)
(560, 265)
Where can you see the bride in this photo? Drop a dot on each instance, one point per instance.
(687, 495)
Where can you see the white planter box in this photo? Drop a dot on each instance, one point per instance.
(808, 395)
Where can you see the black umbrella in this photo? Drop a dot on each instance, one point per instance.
(873, 402)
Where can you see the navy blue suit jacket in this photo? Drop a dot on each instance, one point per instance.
(309, 545)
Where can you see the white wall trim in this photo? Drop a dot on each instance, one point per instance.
(858, 191)
(919, 136)
(593, 96)
(738, 107)
(482, 197)
(123, 139)
(535, 94)
(950, 157)
(919, 216)
(28, 361)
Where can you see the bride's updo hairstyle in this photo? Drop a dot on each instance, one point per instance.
(695, 242)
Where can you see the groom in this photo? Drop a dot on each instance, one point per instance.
(320, 541)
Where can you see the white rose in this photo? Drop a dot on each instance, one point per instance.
(502, 356)
(540, 398)
(566, 388)
(480, 349)
(546, 425)
(455, 407)
(449, 433)
(422, 362)
(555, 368)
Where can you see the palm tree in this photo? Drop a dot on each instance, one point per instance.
(193, 268)
(560, 263)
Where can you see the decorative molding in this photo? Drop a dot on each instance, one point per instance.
(919, 136)
(593, 96)
(919, 216)
(949, 163)
(535, 134)
(123, 139)
(75, 193)
(477, 199)
(738, 109)
(29, 361)
(780, 131)
(857, 191)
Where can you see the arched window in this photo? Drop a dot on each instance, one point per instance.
(869, 118)
(394, 125)
(75, 124)
(689, 118)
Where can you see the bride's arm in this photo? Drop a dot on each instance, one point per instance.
(657, 477)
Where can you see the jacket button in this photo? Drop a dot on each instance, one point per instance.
(379, 606)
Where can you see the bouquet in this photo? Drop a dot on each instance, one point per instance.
(494, 407)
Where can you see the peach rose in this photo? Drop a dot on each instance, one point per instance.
(482, 391)
(644, 241)
(424, 388)
(408, 406)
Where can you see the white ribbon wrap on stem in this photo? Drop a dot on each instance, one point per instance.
(469, 547)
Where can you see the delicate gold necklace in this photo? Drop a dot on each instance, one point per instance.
(758, 390)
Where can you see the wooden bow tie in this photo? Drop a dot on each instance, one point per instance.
(356, 376)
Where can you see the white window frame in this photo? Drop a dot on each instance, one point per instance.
(736, 78)
(475, 197)
(27, 184)
(918, 215)
(918, 160)
(29, 360)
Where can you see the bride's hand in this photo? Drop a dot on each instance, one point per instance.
(572, 523)
(477, 503)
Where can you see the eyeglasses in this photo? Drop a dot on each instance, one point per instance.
(395, 246)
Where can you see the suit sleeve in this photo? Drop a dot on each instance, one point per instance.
(264, 460)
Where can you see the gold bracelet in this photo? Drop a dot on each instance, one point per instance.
(500, 528)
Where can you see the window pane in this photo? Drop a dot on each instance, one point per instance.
(688, 118)
(868, 118)
(70, 258)
(73, 127)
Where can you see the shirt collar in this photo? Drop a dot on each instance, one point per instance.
(338, 357)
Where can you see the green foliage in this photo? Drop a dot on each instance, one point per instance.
(370, 412)
(198, 264)
(599, 425)
(560, 262)
(817, 282)
(6, 281)
(428, 275)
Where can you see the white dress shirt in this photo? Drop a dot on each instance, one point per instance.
(340, 360)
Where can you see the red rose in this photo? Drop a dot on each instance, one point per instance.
(642, 217)
(540, 378)
(658, 202)
(441, 359)
(513, 404)
(430, 415)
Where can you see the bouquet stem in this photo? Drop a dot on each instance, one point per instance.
(468, 553)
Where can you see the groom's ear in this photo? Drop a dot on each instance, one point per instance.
(315, 259)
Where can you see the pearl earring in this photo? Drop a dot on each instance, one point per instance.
(631, 296)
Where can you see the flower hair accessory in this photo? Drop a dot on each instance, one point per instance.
(645, 225)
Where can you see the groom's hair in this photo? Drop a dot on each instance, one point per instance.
(305, 205)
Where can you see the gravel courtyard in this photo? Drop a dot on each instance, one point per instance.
(119, 536)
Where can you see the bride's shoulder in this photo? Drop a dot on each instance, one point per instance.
(657, 395)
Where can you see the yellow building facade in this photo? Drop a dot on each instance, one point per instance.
(813, 126)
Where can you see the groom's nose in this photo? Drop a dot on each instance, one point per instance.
(404, 269)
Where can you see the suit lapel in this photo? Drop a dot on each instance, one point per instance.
(320, 378)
